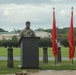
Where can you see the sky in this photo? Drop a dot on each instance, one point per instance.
(15, 13)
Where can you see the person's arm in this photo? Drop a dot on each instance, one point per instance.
(21, 34)
(33, 34)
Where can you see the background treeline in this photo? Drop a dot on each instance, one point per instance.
(44, 42)
(62, 34)
(11, 42)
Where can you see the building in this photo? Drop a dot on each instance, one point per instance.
(9, 35)
(42, 34)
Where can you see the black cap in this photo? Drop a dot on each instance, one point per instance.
(28, 22)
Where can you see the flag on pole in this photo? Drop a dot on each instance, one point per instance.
(54, 37)
(71, 38)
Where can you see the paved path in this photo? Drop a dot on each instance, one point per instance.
(40, 58)
(7, 74)
(51, 72)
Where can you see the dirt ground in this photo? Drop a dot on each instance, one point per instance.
(54, 72)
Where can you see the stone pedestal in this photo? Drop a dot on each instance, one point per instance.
(45, 55)
(59, 55)
(10, 57)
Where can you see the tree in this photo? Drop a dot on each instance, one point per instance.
(2, 30)
(15, 41)
(45, 42)
(39, 29)
(64, 40)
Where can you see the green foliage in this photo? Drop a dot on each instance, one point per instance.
(39, 29)
(64, 40)
(62, 31)
(13, 42)
(45, 42)
(48, 30)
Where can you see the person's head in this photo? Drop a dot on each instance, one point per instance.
(28, 25)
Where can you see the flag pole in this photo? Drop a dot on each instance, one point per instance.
(72, 58)
(55, 61)
(72, 61)
(55, 57)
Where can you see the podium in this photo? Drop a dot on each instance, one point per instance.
(29, 52)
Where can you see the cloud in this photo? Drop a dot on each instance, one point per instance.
(56, 0)
(37, 2)
(24, 1)
(62, 12)
(21, 13)
(15, 14)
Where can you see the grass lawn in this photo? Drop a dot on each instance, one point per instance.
(65, 65)
(16, 51)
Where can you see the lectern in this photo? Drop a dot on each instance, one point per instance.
(29, 52)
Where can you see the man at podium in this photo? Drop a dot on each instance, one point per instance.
(29, 45)
(27, 32)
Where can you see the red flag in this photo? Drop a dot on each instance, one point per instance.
(71, 39)
(54, 37)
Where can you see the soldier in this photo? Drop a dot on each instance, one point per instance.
(27, 32)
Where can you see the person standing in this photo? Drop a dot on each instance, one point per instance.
(27, 31)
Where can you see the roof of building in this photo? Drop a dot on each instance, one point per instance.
(38, 33)
(7, 33)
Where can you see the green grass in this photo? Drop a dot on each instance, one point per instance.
(65, 65)
(3, 51)
(16, 52)
(5, 70)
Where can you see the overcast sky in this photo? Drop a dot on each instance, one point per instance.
(14, 13)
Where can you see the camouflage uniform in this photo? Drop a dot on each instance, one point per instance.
(27, 33)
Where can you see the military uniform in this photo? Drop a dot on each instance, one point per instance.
(27, 33)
